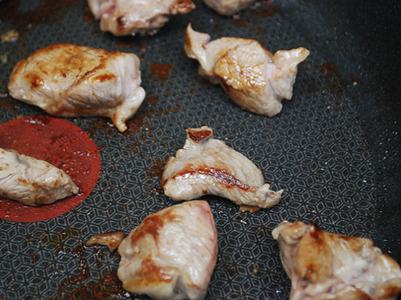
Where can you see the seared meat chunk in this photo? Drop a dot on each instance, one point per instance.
(323, 265)
(208, 166)
(252, 77)
(228, 7)
(68, 81)
(111, 239)
(9, 36)
(130, 17)
(172, 254)
(32, 181)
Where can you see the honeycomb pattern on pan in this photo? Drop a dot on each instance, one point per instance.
(314, 150)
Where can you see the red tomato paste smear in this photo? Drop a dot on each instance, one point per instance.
(60, 143)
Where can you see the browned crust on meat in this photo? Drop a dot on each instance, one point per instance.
(149, 274)
(35, 80)
(152, 224)
(69, 60)
(199, 135)
(121, 22)
(182, 6)
(389, 291)
(313, 256)
(18, 68)
(221, 175)
(104, 77)
(188, 43)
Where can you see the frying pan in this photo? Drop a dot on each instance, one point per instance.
(334, 149)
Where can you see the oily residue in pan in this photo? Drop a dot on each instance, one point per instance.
(108, 287)
(136, 123)
(46, 12)
(160, 71)
(156, 170)
(58, 240)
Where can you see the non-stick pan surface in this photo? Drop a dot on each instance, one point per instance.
(334, 149)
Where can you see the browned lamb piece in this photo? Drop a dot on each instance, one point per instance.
(208, 166)
(252, 77)
(32, 181)
(171, 254)
(130, 17)
(68, 80)
(228, 7)
(322, 265)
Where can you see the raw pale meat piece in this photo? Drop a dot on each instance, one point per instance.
(172, 254)
(208, 166)
(130, 17)
(67, 80)
(322, 265)
(32, 181)
(228, 7)
(252, 77)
